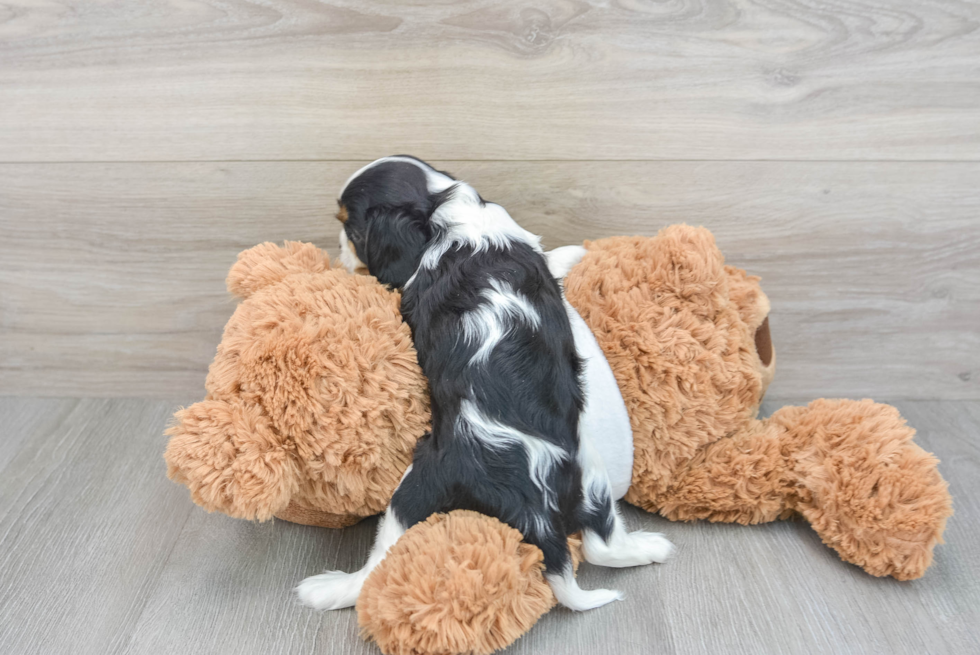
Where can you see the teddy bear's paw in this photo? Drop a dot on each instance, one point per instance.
(332, 590)
(624, 549)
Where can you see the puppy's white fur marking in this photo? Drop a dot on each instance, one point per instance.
(535, 523)
(487, 324)
(604, 418)
(469, 222)
(348, 259)
(465, 220)
(542, 455)
(568, 593)
(336, 590)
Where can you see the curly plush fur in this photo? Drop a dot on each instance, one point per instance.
(482, 588)
(679, 330)
(315, 398)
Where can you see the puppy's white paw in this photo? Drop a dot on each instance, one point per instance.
(332, 590)
(562, 260)
(652, 546)
(626, 549)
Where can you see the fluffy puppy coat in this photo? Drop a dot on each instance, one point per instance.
(495, 339)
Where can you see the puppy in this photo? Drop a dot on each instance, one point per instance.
(512, 433)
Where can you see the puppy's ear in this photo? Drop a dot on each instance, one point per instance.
(394, 241)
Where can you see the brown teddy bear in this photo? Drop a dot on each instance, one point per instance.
(315, 401)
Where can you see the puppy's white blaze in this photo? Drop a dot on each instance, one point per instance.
(335, 589)
(487, 324)
(435, 181)
(542, 455)
(347, 257)
(568, 593)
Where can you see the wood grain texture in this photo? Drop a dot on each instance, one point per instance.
(87, 518)
(85, 80)
(22, 420)
(100, 554)
(112, 275)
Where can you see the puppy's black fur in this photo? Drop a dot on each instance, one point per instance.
(529, 382)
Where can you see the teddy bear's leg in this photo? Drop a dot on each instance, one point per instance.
(605, 541)
(871, 494)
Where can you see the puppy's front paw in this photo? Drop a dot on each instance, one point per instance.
(562, 260)
(332, 590)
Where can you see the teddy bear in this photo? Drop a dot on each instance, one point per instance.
(315, 400)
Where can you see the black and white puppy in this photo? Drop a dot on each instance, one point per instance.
(513, 435)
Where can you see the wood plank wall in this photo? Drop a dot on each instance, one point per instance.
(833, 148)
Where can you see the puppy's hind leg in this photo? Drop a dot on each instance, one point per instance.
(336, 590)
(559, 572)
(605, 541)
(568, 593)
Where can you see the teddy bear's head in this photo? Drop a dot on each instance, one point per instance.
(687, 338)
(315, 397)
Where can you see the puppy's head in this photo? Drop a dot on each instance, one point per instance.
(385, 209)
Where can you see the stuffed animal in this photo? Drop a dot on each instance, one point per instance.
(315, 401)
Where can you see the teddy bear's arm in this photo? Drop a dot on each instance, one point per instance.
(741, 479)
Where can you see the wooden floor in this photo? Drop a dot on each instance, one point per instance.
(832, 146)
(101, 554)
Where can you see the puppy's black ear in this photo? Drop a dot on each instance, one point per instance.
(394, 240)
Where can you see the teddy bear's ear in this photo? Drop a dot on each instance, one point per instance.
(268, 263)
(231, 459)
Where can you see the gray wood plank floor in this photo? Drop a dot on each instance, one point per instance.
(100, 553)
